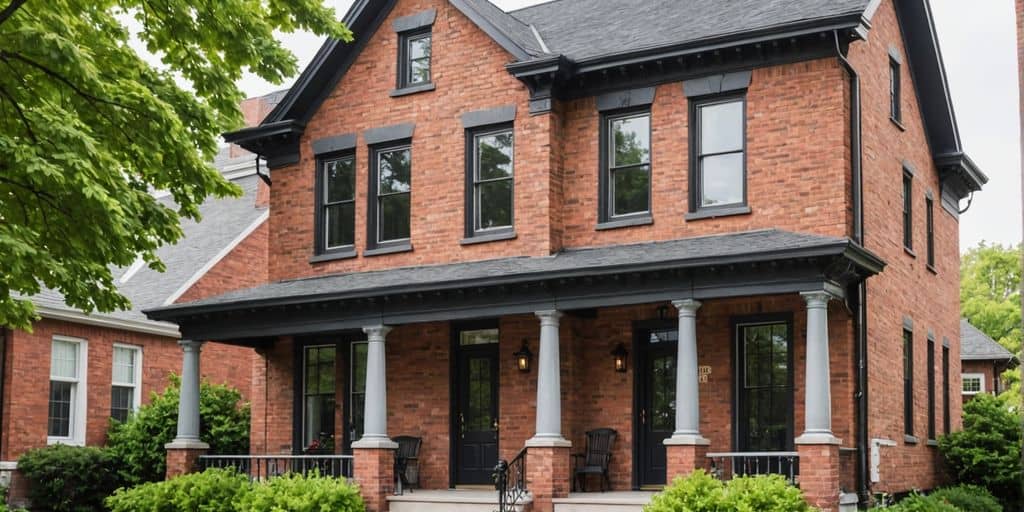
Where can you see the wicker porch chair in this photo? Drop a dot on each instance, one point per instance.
(596, 460)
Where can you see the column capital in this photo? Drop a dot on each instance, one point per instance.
(687, 307)
(549, 316)
(817, 299)
(376, 332)
(191, 345)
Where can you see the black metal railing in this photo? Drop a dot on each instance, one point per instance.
(264, 467)
(510, 481)
(727, 465)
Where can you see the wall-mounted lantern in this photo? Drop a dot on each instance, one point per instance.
(523, 357)
(620, 355)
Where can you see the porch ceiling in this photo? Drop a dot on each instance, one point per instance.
(730, 265)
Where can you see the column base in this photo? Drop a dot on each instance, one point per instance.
(685, 453)
(183, 456)
(548, 471)
(375, 474)
(819, 473)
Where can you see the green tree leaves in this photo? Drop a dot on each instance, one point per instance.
(88, 130)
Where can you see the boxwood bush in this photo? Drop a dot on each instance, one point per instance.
(919, 503)
(987, 452)
(69, 478)
(969, 498)
(296, 493)
(700, 492)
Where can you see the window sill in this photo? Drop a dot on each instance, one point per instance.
(907, 439)
(65, 441)
(898, 124)
(932, 269)
(488, 237)
(910, 252)
(388, 249)
(933, 443)
(405, 91)
(711, 213)
(639, 220)
(342, 254)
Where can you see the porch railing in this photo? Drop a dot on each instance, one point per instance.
(510, 482)
(264, 467)
(727, 465)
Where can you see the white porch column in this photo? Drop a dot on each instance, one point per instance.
(817, 388)
(375, 419)
(687, 387)
(188, 402)
(549, 384)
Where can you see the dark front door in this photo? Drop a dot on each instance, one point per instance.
(656, 414)
(476, 420)
(764, 418)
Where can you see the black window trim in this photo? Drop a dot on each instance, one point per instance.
(696, 211)
(907, 190)
(606, 203)
(931, 387)
(322, 252)
(946, 420)
(374, 246)
(908, 384)
(403, 83)
(929, 212)
(473, 233)
(895, 88)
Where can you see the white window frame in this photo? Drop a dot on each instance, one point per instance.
(79, 398)
(137, 385)
(981, 380)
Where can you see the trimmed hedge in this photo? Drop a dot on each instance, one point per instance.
(969, 498)
(700, 492)
(69, 478)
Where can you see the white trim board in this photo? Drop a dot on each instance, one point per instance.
(99, 320)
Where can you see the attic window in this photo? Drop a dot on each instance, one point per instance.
(415, 59)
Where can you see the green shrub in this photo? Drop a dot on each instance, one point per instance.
(968, 498)
(302, 494)
(920, 503)
(987, 451)
(69, 478)
(214, 490)
(700, 492)
(139, 442)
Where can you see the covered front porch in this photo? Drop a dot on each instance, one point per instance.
(722, 364)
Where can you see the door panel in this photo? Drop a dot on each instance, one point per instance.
(657, 402)
(477, 414)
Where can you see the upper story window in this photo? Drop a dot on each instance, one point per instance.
(627, 165)
(908, 382)
(895, 110)
(414, 59)
(908, 210)
(391, 188)
(338, 202)
(718, 146)
(929, 212)
(492, 168)
(931, 387)
(66, 417)
(126, 379)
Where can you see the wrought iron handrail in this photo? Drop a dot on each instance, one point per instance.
(510, 482)
(726, 465)
(264, 467)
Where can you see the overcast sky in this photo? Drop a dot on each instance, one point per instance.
(978, 42)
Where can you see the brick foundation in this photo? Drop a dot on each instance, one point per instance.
(683, 459)
(375, 474)
(548, 475)
(819, 475)
(183, 460)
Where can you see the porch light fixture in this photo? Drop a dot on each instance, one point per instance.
(620, 356)
(523, 357)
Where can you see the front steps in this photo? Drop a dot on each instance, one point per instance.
(624, 501)
(456, 500)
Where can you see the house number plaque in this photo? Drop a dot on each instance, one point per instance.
(703, 372)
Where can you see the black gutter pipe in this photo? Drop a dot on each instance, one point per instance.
(861, 321)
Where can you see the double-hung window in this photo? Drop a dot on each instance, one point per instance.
(908, 382)
(718, 139)
(929, 212)
(895, 110)
(318, 393)
(414, 59)
(337, 188)
(931, 388)
(126, 379)
(627, 164)
(946, 420)
(390, 195)
(492, 168)
(908, 210)
(66, 411)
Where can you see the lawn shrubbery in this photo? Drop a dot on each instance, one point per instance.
(968, 498)
(987, 451)
(920, 503)
(139, 443)
(700, 492)
(221, 490)
(69, 478)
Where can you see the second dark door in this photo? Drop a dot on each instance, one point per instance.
(657, 401)
(476, 450)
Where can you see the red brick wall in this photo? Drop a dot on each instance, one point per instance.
(243, 267)
(907, 287)
(986, 368)
(27, 382)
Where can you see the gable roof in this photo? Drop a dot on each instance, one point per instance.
(975, 345)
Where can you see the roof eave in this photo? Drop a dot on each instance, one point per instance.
(499, 36)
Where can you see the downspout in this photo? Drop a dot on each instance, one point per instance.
(860, 325)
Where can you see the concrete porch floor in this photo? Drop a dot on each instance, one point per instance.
(613, 501)
(473, 500)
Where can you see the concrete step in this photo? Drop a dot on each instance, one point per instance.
(623, 501)
(455, 500)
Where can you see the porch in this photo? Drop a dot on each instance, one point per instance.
(687, 363)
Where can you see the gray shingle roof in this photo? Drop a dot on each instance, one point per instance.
(584, 29)
(516, 30)
(223, 221)
(978, 346)
(759, 245)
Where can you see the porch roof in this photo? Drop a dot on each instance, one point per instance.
(558, 280)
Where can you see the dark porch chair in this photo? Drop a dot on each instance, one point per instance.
(407, 462)
(596, 460)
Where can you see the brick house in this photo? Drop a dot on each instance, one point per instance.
(705, 225)
(982, 362)
(65, 380)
